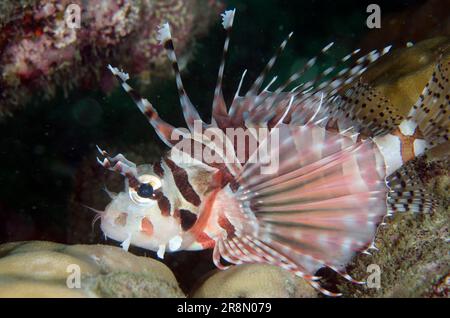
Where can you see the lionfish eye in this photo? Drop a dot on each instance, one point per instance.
(145, 190)
(144, 194)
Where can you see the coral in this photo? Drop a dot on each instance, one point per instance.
(254, 281)
(39, 53)
(40, 269)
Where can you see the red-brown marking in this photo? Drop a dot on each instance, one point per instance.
(158, 169)
(182, 182)
(226, 225)
(187, 219)
(221, 178)
(132, 181)
(163, 203)
(150, 113)
(205, 241)
(147, 226)
(407, 144)
(198, 229)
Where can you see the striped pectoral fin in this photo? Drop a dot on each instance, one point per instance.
(317, 209)
(247, 249)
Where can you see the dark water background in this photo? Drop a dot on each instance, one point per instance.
(43, 145)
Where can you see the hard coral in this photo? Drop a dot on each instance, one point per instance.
(42, 269)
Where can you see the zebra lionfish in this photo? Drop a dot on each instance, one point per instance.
(342, 148)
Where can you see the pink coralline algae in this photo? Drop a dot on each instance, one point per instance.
(40, 52)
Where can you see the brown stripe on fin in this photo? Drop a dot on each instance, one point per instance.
(189, 112)
(227, 226)
(164, 130)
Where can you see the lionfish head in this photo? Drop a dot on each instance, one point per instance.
(159, 205)
(135, 215)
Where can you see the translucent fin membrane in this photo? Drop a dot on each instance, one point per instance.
(368, 111)
(432, 109)
(318, 208)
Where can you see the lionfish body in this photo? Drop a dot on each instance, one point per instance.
(338, 174)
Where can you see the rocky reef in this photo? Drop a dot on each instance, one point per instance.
(41, 53)
(44, 269)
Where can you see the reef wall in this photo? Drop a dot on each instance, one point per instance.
(41, 52)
